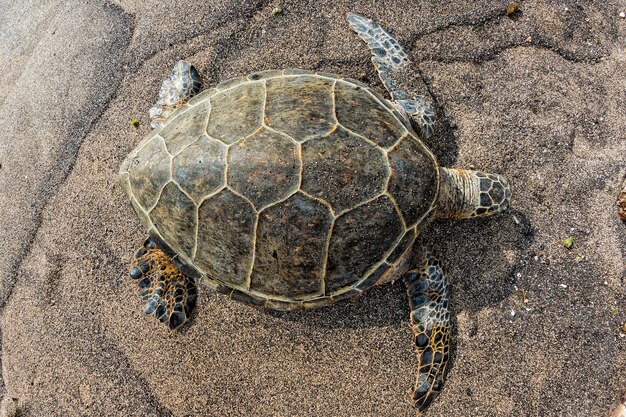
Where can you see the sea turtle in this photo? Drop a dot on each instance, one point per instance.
(293, 189)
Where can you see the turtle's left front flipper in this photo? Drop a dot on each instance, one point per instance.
(169, 294)
(395, 71)
(427, 288)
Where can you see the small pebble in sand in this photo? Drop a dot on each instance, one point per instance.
(134, 123)
(563, 285)
(622, 15)
(276, 11)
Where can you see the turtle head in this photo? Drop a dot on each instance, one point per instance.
(466, 193)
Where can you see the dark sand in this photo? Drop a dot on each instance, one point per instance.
(539, 97)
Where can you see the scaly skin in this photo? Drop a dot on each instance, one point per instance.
(169, 294)
(427, 289)
(393, 65)
(183, 83)
(465, 194)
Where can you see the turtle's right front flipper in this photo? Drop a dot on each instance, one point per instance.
(169, 294)
(427, 289)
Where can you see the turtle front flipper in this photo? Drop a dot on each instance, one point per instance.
(183, 83)
(393, 66)
(427, 289)
(169, 294)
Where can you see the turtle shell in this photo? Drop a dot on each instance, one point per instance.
(288, 189)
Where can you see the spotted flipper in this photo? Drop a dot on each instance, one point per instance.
(421, 113)
(427, 288)
(393, 67)
(387, 54)
(169, 294)
(183, 83)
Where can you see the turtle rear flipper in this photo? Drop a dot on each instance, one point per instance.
(183, 83)
(427, 289)
(393, 66)
(169, 294)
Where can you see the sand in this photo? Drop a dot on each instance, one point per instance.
(538, 96)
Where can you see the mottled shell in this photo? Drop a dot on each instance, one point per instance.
(286, 188)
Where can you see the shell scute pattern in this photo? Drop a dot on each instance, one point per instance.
(292, 194)
(374, 276)
(236, 112)
(174, 217)
(149, 171)
(296, 71)
(407, 241)
(375, 122)
(361, 235)
(360, 173)
(300, 106)
(414, 181)
(185, 128)
(199, 169)
(264, 167)
(203, 96)
(226, 227)
(230, 83)
(291, 247)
